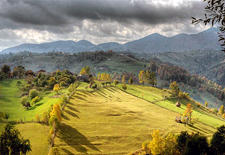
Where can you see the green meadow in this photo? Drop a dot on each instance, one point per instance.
(9, 102)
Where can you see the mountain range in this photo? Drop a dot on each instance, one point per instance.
(154, 43)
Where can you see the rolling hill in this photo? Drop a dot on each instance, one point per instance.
(109, 120)
(154, 43)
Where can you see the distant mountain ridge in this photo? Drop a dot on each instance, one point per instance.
(154, 43)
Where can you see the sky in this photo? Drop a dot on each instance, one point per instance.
(98, 21)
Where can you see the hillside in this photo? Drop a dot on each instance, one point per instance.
(118, 64)
(110, 62)
(109, 120)
(154, 43)
(207, 63)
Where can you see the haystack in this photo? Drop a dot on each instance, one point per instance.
(178, 104)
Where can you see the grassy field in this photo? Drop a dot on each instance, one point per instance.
(156, 95)
(9, 101)
(106, 121)
(36, 133)
(111, 121)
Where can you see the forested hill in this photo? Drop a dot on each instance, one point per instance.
(125, 64)
(154, 43)
(207, 63)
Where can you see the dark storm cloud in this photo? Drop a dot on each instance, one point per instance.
(56, 15)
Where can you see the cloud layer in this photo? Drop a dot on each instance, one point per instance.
(95, 20)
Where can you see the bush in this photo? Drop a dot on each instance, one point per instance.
(54, 151)
(64, 98)
(45, 117)
(160, 145)
(72, 88)
(35, 100)
(23, 100)
(6, 115)
(183, 95)
(62, 84)
(116, 82)
(103, 84)
(26, 88)
(38, 118)
(124, 87)
(33, 93)
(94, 86)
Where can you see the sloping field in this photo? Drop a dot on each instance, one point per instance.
(110, 121)
(9, 102)
(155, 95)
(36, 133)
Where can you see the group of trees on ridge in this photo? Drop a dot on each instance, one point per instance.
(185, 144)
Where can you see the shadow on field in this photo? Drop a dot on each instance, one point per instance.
(34, 107)
(75, 139)
(65, 117)
(5, 99)
(111, 89)
(72, 108)
(71, 113)
(67, 151)
(78, 97)
(81, 94)
(192, 127)
(101, 94)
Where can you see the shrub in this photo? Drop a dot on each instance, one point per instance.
(18, 83)
(183, 95)
(45, 117)
(131, 80)
(124, 87)
(94, 86)
(54, 151)
(103, 84)
(26, 88)
(56, 88)
(116, 82)
(64, 98)
(33, 93)
(6, 115)
(62, 84)
(35, 100)
(159, 145)
(86, 87)
(38, 118)
(23, 100)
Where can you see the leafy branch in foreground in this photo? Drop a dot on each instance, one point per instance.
(215, 14)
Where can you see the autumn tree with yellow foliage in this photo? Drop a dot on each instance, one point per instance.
(55, 119)
(56, 88)
(123, 79)
(188, 111)
(142, 77)
(206, 104)
(160, 145)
